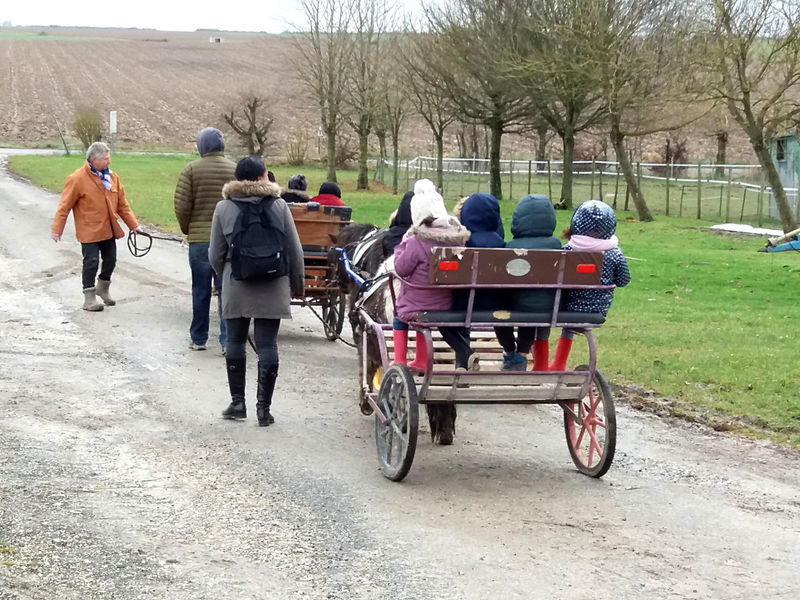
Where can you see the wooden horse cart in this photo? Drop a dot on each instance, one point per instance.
(582, 393)
(315, 225)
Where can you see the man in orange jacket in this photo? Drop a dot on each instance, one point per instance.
(97, 199)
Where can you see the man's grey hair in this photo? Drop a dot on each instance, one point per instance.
(97, 149)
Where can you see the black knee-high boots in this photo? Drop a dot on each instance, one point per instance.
(267, 375)
(236, 383)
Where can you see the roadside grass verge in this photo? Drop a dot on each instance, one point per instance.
(707, 322)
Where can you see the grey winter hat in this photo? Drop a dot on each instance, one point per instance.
(210, 140)
(297, 182)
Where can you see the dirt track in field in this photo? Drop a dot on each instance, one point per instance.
(119, 480)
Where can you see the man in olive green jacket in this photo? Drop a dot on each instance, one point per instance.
(196, 195)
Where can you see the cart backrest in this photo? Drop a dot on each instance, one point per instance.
(314, 223)
(509, 269)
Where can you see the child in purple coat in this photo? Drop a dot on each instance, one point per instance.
(431, 226)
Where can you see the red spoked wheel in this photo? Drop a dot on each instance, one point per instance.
(591, 427)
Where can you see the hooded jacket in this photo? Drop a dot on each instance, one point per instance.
(593, 225)
(200, 184)
(256, 299)
(95, 209)
(399, 225)
(480, 214)
(412, 263)
(532, 226)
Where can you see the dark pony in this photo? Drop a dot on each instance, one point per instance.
(364, 245)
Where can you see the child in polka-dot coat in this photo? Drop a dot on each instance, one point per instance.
(591, 229)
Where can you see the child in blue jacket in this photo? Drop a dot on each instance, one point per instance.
(591, 229)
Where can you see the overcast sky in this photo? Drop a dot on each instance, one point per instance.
(272, 16)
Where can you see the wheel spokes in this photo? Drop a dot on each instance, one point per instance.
(394, 431)
(588, 420)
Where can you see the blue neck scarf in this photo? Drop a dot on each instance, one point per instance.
(104, 175)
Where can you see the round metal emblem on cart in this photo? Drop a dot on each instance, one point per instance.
(518, 267)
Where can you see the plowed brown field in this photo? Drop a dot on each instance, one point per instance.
(165, 86)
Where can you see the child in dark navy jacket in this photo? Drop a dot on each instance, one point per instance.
(591, 229)
(532, 226)
(480, 214)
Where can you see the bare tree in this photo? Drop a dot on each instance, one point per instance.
(369, 25)
(470, 39)
(88, 126)
(552, 63)
(325, 52)
(250, 121)
(393, 103)
(429, 97)
(643, 63)
(754, 62)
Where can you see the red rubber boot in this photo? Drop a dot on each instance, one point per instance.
(541, 354)
(420, 361)
(400, 337)
(562, 354)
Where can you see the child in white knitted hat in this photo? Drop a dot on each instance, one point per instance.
(431, 226)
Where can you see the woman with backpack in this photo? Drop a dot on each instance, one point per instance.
(255, 247)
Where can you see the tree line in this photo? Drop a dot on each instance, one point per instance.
(623, 68)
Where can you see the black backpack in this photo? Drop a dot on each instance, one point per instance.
(258, 247)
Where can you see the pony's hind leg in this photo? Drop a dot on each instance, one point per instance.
(442, 422)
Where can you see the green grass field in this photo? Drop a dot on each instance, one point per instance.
(706, 322)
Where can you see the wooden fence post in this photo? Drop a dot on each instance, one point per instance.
(744, 198)
(511, 179)
(638, 178)
(760, 205)
(667, 172)
(591, 182)
(550, 180)
(699, 188)
(728, 195)
(530, 165)
(616, 188)
(600, 183)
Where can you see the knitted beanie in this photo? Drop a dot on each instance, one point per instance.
(297, 182)
(427, 205)
(330, 187)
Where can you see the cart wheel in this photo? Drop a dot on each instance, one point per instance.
(591, 427)
(396, 439)
(333, 308)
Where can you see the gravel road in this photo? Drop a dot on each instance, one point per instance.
(119, 480)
